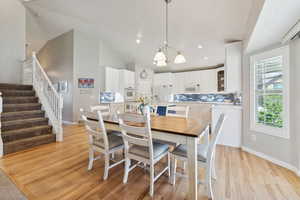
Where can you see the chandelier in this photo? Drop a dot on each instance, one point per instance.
(161, 57)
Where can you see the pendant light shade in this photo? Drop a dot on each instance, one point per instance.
(161, 63)
(160, 56)
(179, 59)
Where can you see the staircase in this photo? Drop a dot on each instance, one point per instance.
(23, 122)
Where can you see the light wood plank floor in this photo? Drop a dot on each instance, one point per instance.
(58, 171)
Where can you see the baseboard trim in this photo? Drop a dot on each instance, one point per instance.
(69, 123)
(272, 160)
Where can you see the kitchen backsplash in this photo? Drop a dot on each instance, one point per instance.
(218, 98)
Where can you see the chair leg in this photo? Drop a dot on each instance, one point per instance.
(214, 173)
(91, 158)
(184, 166)
(169, 164)
(127, 167)
(173, 170)
(151, 192)
(106, 168)
(208, 182)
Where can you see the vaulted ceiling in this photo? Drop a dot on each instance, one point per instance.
(210, 23)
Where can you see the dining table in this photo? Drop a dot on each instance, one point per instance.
(176, 130)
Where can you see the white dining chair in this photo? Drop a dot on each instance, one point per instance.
(136, 131)
(178, 111)
(105, 109)
(102, 141)
(206, 154)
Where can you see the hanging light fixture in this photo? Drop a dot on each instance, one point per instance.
(161, 56)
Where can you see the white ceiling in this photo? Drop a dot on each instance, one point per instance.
(275, 19)
(206, 22)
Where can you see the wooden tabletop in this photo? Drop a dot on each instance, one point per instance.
(175, 125)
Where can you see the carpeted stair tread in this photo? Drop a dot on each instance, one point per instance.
(23, 123)
(20, 100)
(17, 93)
(22, 144)
(21, 107)
(15, 86)
(9, 116)
(12, 135)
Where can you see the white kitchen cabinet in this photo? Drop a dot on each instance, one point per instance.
(179, 82)
(116, 80)
(233, 67)
(163, 79)
(112, 80)
(231, 134)
(208, 80)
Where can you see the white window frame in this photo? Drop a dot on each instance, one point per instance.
(283, 132)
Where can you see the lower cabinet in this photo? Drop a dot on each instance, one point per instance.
(231, 134)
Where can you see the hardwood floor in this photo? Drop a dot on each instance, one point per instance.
(59, 171)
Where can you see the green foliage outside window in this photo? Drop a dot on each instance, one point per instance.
(270, 108)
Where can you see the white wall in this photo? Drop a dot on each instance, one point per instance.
(12, 43)
(56, 57)
(283, 150)
(36, 37)
(295, 96)
(144, 86)
(86, 65)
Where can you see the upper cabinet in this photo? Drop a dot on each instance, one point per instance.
(116, 80)
(233, 67)
(111, 80)
(163, 79)
(188, 82)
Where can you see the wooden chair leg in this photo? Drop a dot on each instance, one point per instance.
(106, 168)
(127, 167)
(91, 159)
(151, 192)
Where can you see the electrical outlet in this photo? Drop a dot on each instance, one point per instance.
(253, 137)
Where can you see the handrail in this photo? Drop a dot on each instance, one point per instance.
(51, 100)
(1, 142)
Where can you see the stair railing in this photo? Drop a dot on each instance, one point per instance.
(50, 99)
(1, 142)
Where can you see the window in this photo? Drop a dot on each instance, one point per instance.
(269, 92)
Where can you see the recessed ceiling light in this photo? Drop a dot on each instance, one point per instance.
(205, 58)
(138, 41)
(200, 46)
(27, 0)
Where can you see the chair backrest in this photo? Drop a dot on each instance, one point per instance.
(161, 110)
(95, 127)
(136, 129)
(178, 111)
(105, 109)
(215, 137)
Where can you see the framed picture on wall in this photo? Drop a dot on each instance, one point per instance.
(86, 83)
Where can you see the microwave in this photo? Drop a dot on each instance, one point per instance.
(130, 94)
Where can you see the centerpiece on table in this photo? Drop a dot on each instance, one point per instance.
(144, 102)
